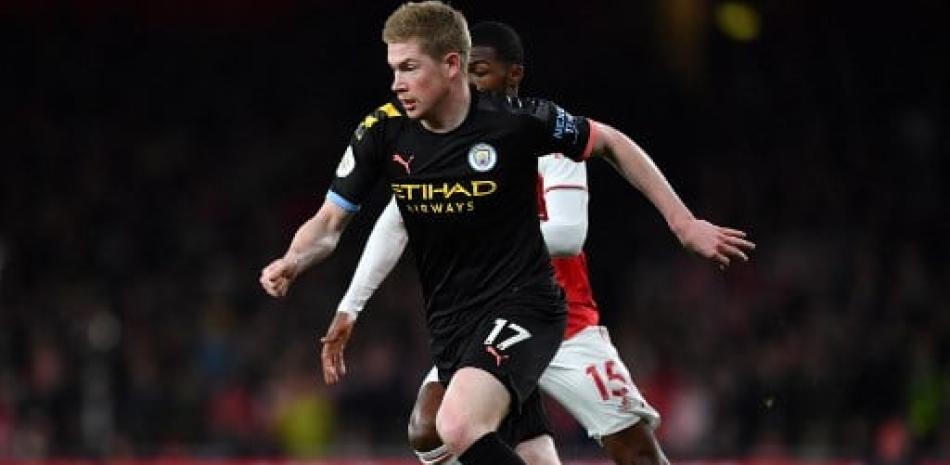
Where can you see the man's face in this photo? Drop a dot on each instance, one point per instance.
(487, 72)
(419, 81)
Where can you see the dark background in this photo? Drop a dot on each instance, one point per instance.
(156, 154)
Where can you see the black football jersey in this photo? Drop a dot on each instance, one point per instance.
(467, 198)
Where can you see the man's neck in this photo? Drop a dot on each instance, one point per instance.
(451, 112)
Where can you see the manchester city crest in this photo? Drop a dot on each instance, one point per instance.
(482, 157)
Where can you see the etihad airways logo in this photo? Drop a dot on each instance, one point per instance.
(443, 190)
(442, 198)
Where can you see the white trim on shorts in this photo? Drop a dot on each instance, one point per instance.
(431, 377)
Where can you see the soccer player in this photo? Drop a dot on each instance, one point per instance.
(458, 165)
(586, 376)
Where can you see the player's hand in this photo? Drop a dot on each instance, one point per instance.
(277, 277)
(334, 343)
(716, 243)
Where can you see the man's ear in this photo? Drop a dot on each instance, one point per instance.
(452, 64)
(515, 75)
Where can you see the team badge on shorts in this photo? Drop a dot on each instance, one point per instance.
(482, 157)
(346, 164)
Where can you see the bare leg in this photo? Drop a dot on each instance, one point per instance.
(423, 437)
(473, 406)
(538, 451)
(425, 441)
(636, 445)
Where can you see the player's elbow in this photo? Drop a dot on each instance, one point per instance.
(564, 239)
(610, 142)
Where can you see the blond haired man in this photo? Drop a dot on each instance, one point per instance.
(462, 168)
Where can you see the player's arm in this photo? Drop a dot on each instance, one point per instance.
(565, 203)
(314, 241)
(710, 241)
(382, 251)
(356, 174)
(384, 246)
(566, 228)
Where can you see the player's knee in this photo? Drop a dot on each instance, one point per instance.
(458, 432)
(423, 435)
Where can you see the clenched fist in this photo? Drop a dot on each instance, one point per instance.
(277, 277)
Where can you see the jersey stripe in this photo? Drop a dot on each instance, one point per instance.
(590, 139)
(566, 186)
(341, 202)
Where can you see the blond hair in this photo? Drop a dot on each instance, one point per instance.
(439, 28)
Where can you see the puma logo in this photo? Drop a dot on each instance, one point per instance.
(405, 163)
(498, 357)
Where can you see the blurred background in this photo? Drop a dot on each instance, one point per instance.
(155, 155)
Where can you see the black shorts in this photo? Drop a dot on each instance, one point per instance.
(530, 423)
(515, 343)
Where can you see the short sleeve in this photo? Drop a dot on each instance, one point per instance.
(560, 131)
(360, 167)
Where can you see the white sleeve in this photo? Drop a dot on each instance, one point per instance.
(380, 255)
(565, 196)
